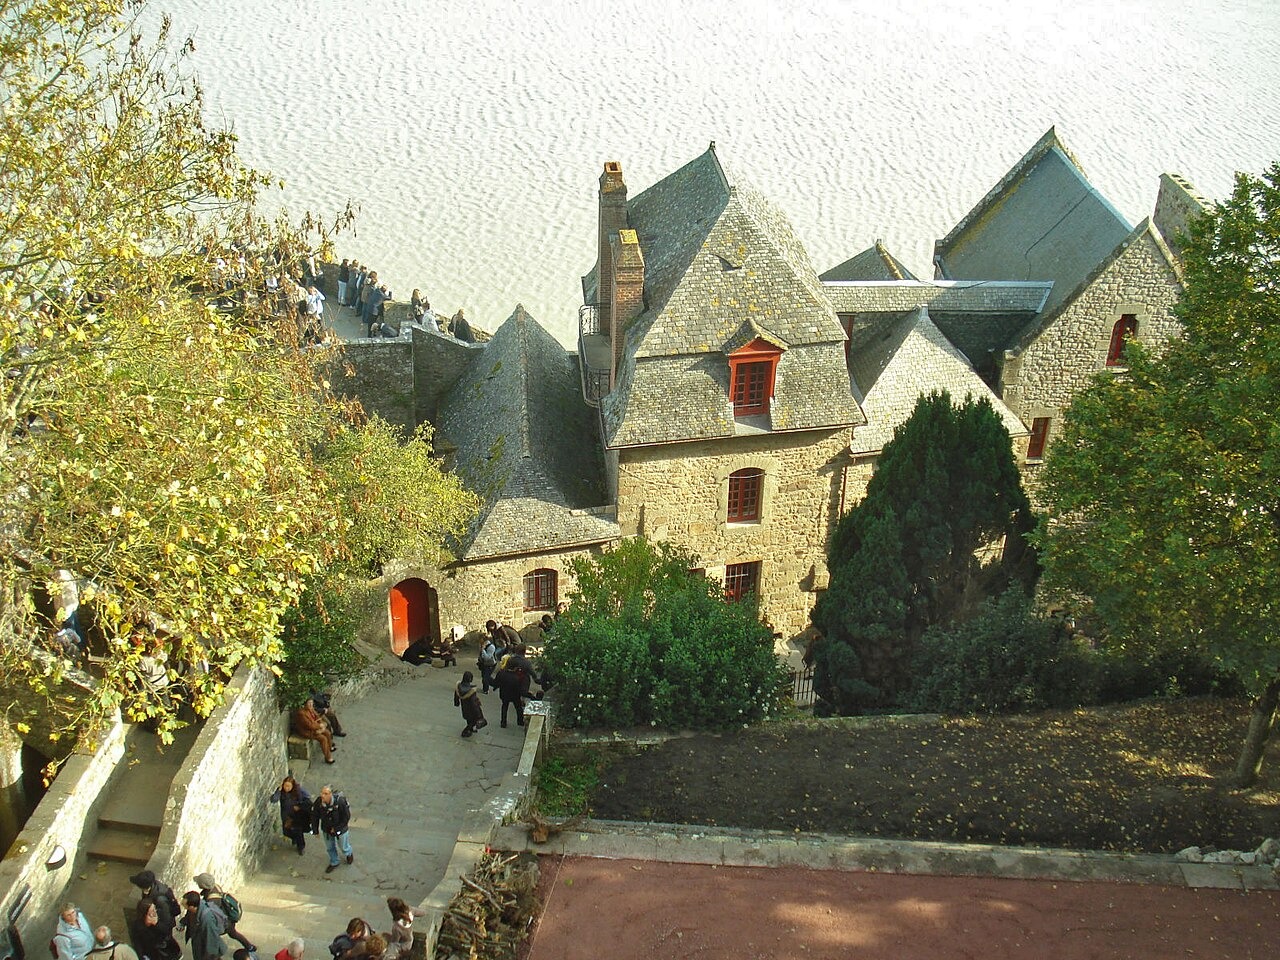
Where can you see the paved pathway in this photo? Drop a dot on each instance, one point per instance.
(411, 780)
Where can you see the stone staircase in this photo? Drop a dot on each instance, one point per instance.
(128, 827)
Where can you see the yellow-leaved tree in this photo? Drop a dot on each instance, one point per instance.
(165, 436)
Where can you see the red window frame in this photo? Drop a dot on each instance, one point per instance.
(745, 489)
(741, 579)
(1039, 435)
(1126, 328)
(752, 375)
(540, 589)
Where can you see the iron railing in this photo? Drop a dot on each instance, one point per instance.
(595, 379)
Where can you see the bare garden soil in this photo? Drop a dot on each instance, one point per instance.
(1151, 776)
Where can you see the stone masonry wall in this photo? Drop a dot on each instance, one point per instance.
(438, 361)
(380, 374)
(218, 818)
(64, 815)
(1042, 381)
(487, 589)
(679, 493)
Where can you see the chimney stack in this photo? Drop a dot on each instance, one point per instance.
(613, 217)
(627, 269)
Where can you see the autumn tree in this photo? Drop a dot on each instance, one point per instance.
(1164, 488)
(163, 435)
(910, 555)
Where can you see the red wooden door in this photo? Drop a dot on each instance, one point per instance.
(415, 613)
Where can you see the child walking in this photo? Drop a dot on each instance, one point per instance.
(467, 697)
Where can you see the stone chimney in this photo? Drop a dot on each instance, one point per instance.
(627, 269)
(1177, 204)
(613, 217)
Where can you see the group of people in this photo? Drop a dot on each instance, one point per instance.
(504, 666)
(329, 815)
(359, 290)
(203, 917)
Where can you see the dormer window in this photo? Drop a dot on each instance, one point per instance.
(752, 371)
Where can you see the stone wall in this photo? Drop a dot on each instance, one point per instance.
(438, 361)
(218, 818)
(1177, 204)
(380, 374)
(485, 589)
(68, 811)
(1058, 364)
(678, 493)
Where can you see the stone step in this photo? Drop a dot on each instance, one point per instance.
(123, 846)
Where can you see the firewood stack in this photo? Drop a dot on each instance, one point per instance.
(491, 914)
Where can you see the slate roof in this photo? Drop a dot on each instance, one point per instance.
(1042, 221)
(716, 256)
(1146, 230)
(527, 444)
(873, 263)
(912, 357)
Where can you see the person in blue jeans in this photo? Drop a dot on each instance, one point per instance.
(332, 814)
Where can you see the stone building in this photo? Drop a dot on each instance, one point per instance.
(728, 399)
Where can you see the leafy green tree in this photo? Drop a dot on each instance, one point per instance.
(946, 491)
(162, 437)
(648, 640)
(316, 634)
(1164, 488)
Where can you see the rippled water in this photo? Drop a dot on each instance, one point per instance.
(472, 134)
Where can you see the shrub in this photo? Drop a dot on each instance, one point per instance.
(317, 633)
(646, 640)
(1003, 659)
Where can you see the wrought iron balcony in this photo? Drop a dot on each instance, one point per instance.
(595, 354)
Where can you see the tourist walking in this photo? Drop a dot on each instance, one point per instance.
(295, 811)
(467, 698)
(400, 937)
(73, 938)
(344, 277)
(166, 900)
(487, 661)
(152, 931)
(225, 906)
(106, 948)
(201, 926)
(292, 950)
(345, 945)
(332, 814)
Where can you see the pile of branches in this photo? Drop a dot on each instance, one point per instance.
(491, 915)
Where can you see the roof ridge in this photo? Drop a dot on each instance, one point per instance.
(1016, 173)
(521, 318)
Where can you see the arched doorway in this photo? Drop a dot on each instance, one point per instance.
(415, 613)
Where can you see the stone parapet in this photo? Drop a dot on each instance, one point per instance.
(66, 817)
(218, 819)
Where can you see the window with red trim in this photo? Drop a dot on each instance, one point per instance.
(1126, 328)
(741, 579)
(744, 495)
(752, 371)
(1039, 434)
(540, 589)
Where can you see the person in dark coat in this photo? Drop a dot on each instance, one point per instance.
(152, 936)
(159, 891)
(467, 698)
(295, 811)
(332, 814)
(201, 926)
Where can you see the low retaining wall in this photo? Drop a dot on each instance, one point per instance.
(218, 818)
(64, 815)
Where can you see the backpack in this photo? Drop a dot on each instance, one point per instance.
(53, 947)
(231, 907)
(341, 944)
